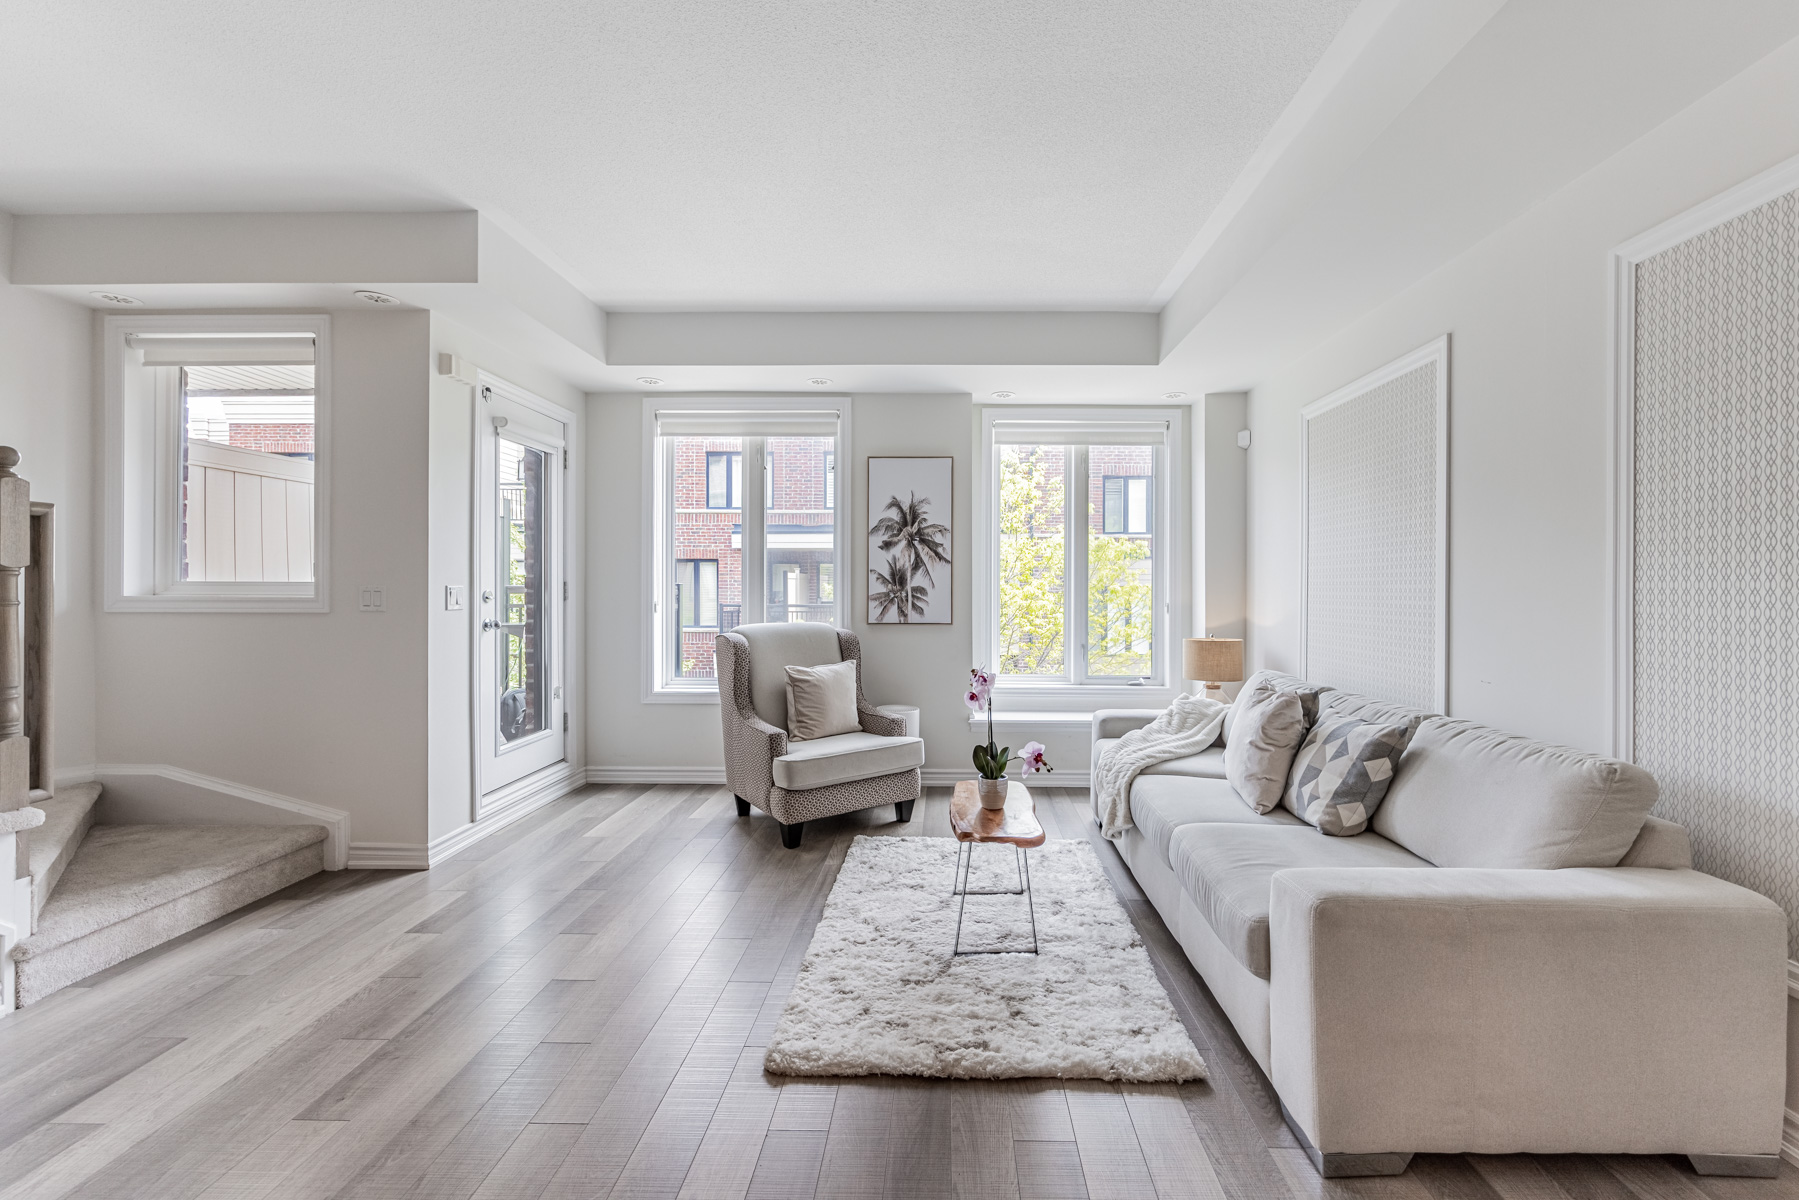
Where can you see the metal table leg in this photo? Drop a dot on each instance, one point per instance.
(959, 888)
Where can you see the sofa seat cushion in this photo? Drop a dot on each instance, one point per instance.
(1161, 804)
(845, 758)
(1229, 870)
(1207, 764)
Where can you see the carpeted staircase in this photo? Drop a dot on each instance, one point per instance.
(102, 893)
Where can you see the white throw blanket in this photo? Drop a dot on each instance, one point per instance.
(1186, 727)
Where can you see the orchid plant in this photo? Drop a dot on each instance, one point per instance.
(991, 760)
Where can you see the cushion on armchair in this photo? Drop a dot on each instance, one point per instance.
(821, 701)
(845, 758)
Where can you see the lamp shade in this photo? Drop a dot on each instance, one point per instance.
(1214, 660)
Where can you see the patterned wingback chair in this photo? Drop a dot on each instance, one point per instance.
(794, 781)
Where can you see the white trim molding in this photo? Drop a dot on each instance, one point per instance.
(139, 517)
(1771, 184)
(1433, 352)
(516, 800)
(1789, 1137)
(389, 856)
(166, 808)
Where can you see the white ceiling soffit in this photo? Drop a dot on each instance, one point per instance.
(781, 155)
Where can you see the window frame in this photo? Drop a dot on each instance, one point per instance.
(659, 684)
(698, 610)
(142, 472)
(1124, 493)
(1074, 690)
(733, 480)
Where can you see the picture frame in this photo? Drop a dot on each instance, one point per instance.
(910, 523)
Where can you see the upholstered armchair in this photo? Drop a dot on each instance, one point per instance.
(799, 781)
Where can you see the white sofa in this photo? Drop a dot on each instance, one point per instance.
(1515, 957)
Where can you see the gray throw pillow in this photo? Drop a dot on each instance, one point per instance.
(821, 701)
(1264, 738)
(1341, 774)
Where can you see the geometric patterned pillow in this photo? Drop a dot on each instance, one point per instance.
(1341, 773)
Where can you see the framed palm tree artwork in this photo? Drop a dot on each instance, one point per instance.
(910, 516)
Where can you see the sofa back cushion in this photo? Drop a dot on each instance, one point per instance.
(777, 645)
(1470, 796)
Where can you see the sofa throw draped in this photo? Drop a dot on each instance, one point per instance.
(1186, 727)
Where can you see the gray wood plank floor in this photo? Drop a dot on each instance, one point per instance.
(577, 1007)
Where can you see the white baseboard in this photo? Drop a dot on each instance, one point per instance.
(656, 775)
(550, 784)
(932, 776)
(156, 793)
(389, 856)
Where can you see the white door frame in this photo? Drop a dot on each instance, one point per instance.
(493, 791)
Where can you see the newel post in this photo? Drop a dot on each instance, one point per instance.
(15, 556)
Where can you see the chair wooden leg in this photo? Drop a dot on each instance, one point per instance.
(743, 806)
(790, 835)
(902, 812)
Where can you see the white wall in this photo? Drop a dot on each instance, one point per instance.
(47, 413)
(1527, 313)
(450, 768)
(925, 665)
(322, 707)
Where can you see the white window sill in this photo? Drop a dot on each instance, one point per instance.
(1083, 698)
(1081, 719)
(178, 603)
(683, 695)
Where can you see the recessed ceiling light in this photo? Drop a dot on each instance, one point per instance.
(649, 381)
(375, 297)
(115, 298)
(1004, 395)
(819, 381)
(1174, 395)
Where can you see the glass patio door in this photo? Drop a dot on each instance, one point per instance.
(519, 522)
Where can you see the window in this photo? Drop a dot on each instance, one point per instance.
(830, 481)
(726, 551)
(1127, 503)
(724, 479)
(1077, 585)
(217, 499)
(696, 592)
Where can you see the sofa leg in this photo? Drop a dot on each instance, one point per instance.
(790, 835)
(743, 806)
(1753, 1166)
(1346, 1166)
(902, 812)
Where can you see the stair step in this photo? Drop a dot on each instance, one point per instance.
(68, 816)
(129, 888)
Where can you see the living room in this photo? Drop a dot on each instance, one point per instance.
(540, 541)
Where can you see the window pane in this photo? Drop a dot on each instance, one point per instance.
(1120, 561)
(801, 530)
(246, 472)
(522, 473)
(708, 535)
(1032, 570)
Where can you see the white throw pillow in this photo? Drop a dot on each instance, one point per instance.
(821, 701)
(1267, 731)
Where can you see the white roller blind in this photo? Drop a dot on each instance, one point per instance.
(744, 423)
(262, 350)
(1080, 433)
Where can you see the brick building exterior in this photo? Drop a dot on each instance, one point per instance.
(800, 505)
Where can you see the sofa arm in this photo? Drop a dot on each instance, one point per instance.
(874, 721)
(1116, 722)
(1618, 1010)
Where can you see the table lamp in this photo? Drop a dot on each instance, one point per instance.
(1213, 661)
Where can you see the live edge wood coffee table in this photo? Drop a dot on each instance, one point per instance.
(1015, 825)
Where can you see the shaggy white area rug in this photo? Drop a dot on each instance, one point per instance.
(879, 993)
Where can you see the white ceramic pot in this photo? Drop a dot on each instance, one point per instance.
(993, 792)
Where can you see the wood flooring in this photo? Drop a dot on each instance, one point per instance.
(577, 1007)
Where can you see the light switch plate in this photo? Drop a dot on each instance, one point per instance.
(453, 597)
(374, 599)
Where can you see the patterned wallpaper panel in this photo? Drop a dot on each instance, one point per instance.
(1716, 591)
(1371, 541)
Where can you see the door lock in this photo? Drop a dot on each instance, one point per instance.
(490, 624)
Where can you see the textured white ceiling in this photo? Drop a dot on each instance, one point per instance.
(796, 154)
